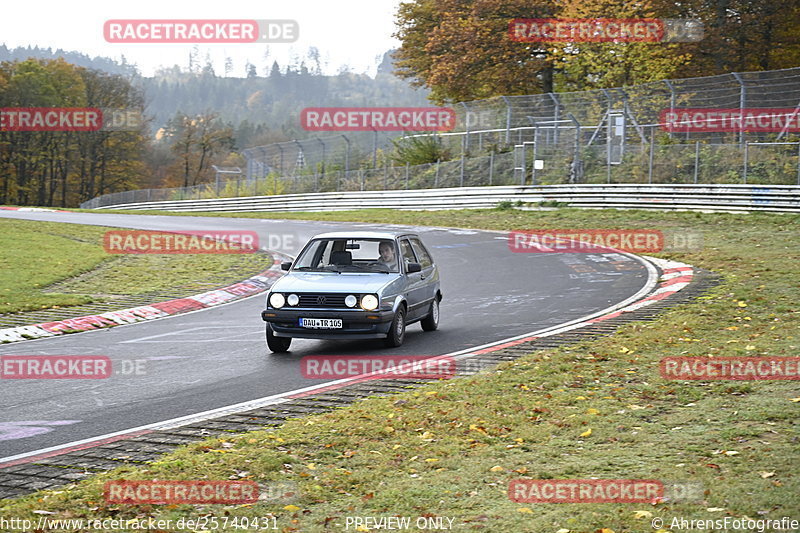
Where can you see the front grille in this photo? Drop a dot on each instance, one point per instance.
(323, 301)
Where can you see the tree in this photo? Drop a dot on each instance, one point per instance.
(461, 49)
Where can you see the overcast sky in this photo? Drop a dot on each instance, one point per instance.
(346, 32)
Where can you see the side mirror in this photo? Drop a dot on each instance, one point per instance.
(413, 267)
(286, 266)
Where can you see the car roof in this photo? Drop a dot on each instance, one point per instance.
(364, 235)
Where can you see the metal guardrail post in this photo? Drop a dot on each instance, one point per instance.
(461, 182)
(436, 177)
(408, 165)
(696, 159)
(491, 166)
(798, 163)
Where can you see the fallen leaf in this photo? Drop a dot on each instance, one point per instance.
(765, 475)
(642, 514)
(592, 411)
(496, 469)
(587, 433)
(524, 510)
(291, 508)
(715, 509)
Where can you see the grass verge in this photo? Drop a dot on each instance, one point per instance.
(599, 409)
(47, 265)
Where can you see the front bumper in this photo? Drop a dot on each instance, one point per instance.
(356, 323)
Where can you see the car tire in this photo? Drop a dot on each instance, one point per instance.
(397, 331)
(431, 322)
(277, 344)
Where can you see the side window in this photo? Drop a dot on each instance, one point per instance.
(419, 249)
(407, 252)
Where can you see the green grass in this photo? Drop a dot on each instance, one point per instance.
(451, 448)
(48, 265)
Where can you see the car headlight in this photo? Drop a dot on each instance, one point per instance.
(369, 302)
(276, 300)
(350, 301)
(293, 300)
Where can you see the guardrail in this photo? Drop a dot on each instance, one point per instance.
(728, 198)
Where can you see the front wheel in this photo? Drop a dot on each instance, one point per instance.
(431, 322)
(277, 344)
(397, 331)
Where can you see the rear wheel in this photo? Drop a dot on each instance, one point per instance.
(397, 331)
(277, 344)
(431, 322)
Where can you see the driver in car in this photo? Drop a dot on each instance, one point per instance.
(386, 250)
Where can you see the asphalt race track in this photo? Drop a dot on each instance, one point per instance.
(217, 357)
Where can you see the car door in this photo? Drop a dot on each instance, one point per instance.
(430, 275)
(415, 283)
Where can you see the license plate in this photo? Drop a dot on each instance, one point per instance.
(321, 323)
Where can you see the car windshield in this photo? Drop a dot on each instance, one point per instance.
(349, 255)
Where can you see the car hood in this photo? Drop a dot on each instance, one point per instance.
(332, 282)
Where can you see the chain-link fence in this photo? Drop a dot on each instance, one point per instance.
(601, 136)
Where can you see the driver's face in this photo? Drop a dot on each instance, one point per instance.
(387, 254)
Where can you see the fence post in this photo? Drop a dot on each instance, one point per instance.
(535, 153)
(407, 169)
(385, 175)
(508, 120)
(462, 170)
(650, 161)
(436, 177)
(491, 166)
(465, 144)
(742, 99)
(696, 159)
(746, 158)
(361, 171)
(798, 163)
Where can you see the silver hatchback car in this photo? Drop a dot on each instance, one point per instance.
(354, 285)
